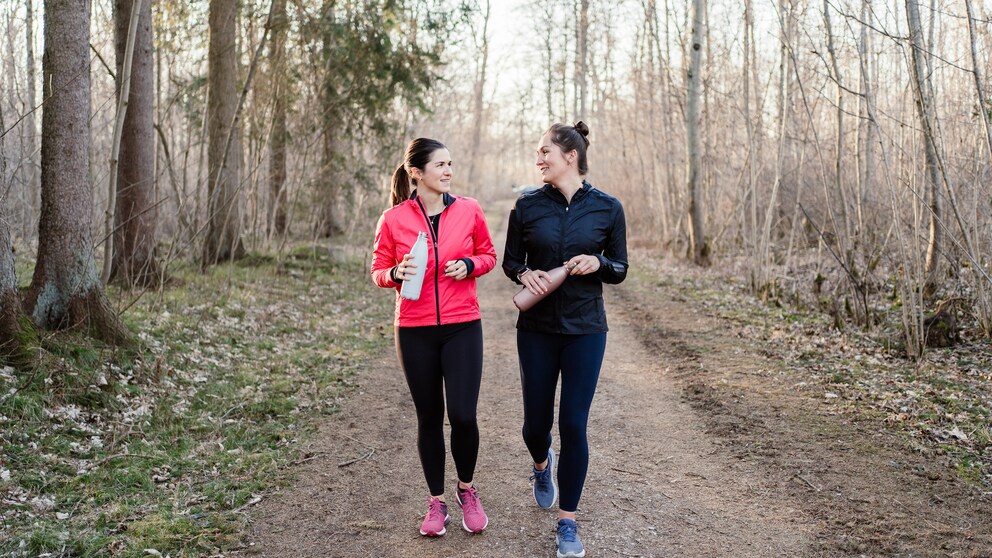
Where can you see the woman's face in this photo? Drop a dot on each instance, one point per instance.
(435, 177)
(552, 163)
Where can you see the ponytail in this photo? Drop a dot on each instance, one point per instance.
(400, 191)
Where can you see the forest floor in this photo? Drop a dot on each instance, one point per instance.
(708, 438)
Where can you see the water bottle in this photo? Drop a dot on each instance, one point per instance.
(525, 300)
(411, 287)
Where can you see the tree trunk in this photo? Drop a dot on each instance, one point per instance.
(135, 216)
(786, 21)
(866, 125)
(478, 99)
(924, 109)
(697, 239)
(549, 64)
(223, 238)
(280, 135)
(65, 290)
(13, 349)
(979, 81)
(329, 192)
(839, 101)
(581, 58)
(752, 165)
(33, 193)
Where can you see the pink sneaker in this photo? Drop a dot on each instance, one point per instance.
(474, 518)
(437, 518)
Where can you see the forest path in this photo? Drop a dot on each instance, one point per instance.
(659, 484)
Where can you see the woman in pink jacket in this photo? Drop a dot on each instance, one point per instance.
(439, 335)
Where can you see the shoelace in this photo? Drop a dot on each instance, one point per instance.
(567, 532)
(470, 499)
(436, 508)
(541, 476)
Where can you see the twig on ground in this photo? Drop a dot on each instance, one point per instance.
(252, 502)
(619, 470)
(310, 457)
(357, 459)
(370, 446)
(799, 475)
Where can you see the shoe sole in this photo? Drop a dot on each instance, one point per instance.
(551, 465)
(458, 498)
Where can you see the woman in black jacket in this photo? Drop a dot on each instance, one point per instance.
(566, 222)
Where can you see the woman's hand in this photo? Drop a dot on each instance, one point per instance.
(456, 269)
(583, 264)
(406, 266)
(536, 281)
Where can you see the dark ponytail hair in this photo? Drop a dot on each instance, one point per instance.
(417, 155)
(572, 137)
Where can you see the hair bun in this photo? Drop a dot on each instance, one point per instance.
(582, 128)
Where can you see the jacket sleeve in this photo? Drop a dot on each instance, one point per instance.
(613, 260)
(383, 258)
(514, 257)
(484, 258)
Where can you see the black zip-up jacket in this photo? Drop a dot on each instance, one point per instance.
(544, 231)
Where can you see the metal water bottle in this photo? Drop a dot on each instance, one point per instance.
(525, 300)
(411, 287)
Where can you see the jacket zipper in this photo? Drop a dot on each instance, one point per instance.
(437, 263)
(561, 257)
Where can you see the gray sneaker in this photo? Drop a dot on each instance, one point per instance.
(545, 489)
(567, 537)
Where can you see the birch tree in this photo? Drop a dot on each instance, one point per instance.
(697, 239)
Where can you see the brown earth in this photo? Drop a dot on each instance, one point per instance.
(699, 447)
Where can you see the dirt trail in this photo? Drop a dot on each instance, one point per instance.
(657, 486)
(700, 446)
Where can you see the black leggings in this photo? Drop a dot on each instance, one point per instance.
(444, 362)
(578, 359)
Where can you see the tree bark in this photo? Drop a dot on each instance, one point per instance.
(581, 58)
(31, 137)
(329, 193)
(697, 239)
(866, 125)
(786, 22)
(478, 99)
(65, 290)
(979, 81)
(752, 170)
(839, 101)
(924, 108)
(279, 136)
(223, 237)
(135, 215)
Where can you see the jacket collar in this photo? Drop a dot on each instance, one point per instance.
(557, 196)
(448, 198)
